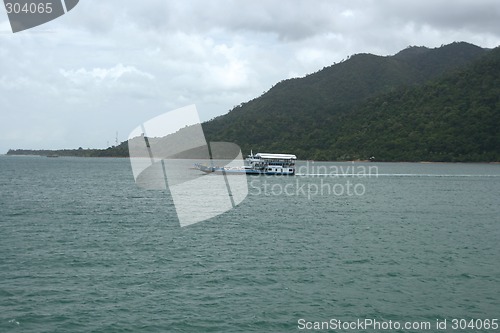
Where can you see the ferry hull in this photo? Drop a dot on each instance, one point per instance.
(242, 171)
(258, 164)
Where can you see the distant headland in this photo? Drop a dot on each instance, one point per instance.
(115, 151)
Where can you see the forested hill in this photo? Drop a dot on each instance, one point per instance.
(420, 104)
(453, 118)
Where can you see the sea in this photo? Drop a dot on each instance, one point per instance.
(341, 246)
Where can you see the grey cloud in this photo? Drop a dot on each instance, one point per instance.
(299, 19)
(480, 15)
(291, 20)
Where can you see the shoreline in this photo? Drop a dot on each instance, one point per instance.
(308, 161)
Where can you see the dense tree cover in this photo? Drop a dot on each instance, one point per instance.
(454, 118)
(421, 104)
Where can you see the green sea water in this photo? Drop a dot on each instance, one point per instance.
(83, 249)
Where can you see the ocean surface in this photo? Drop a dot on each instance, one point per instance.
(84, 249)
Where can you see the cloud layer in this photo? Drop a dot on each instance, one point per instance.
(108, 66)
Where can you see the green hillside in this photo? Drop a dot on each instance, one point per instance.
(454, 118)
(351, 110)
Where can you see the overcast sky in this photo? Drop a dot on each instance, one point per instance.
(108, 66)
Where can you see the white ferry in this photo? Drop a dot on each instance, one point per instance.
(258, 164)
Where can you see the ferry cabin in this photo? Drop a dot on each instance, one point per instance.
(273, 163)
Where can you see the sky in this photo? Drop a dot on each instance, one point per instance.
(91, 76)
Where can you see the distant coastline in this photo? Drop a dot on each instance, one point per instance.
(121, 151)
(115, 151)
